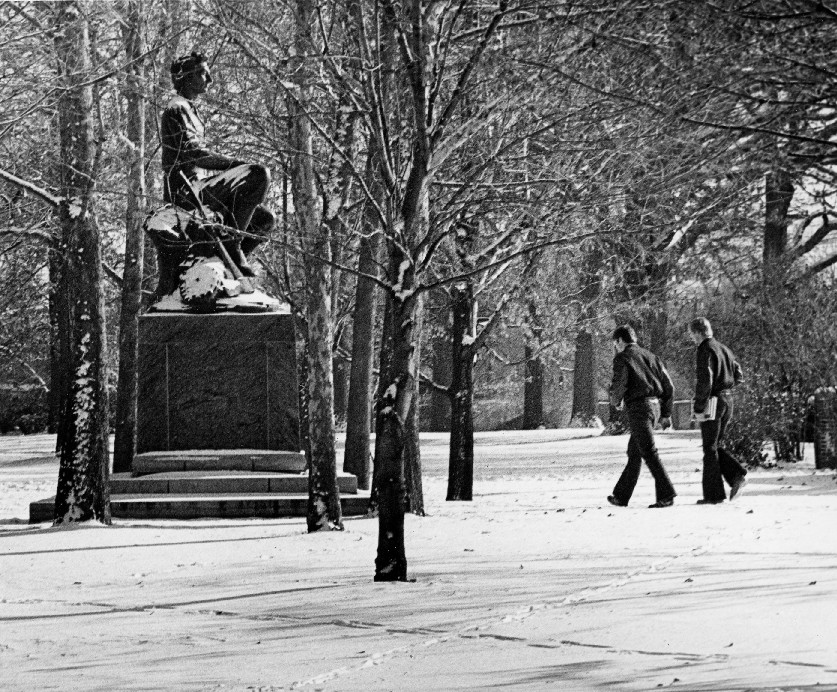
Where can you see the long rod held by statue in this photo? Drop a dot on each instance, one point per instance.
(235, 270)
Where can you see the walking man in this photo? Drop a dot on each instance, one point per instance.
(717, 372)
(640, 381)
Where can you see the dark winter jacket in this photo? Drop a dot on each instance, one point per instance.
(716, 370)
(639, 374)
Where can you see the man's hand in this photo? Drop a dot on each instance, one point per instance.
(665, 423)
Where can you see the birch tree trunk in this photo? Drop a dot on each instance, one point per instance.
(125, 443)
(82, 493)
(323, 495)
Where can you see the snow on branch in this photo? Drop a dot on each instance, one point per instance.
(31, 188)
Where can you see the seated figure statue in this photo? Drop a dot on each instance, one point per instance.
(218, 192)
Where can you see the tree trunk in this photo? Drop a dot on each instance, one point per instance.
(399, 367)
(302, 388)
(340, 367)
(412, 448)
(461, 456)
(58, 332)
(82, 493)
(533, 390)
(397, 390)
(656, 329)
(125, 443)
(358, 417)
(584, 378)
(584, 371)
(438, 413)
(323, 494)
(778, 194)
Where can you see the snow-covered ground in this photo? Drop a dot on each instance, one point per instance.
(537, 583)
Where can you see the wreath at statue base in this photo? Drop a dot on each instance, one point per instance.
(197, 271)
(206, 285)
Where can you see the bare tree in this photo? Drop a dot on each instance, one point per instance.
(125, 442)
(82, 492)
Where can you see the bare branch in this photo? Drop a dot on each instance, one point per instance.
(39, 192)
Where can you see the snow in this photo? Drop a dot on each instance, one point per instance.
(75, 207)
(538, 583)
(398, 289)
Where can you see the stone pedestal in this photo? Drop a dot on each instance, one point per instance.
(219, 381)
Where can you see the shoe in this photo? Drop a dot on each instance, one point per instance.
(612, 499)
(709, 502)
(668, 502)
(735, 488)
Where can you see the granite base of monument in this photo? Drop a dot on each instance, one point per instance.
(218, 423)
(218, 381)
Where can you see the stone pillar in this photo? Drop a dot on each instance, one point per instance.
(218, 381)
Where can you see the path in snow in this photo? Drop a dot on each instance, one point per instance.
(537, 583)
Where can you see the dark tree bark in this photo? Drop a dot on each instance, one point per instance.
(323, 494)
(778, 194)
(461, 457)
(125, 442)
(358, 418)
(393, 406)
(584, 378)
(584, 371)
(533, 384)
(438, 412)
(340, 368)
(82, 493)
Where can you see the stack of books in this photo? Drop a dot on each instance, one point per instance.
(708, 413)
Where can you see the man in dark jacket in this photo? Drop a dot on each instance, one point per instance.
(235, 189)
(717, 372)
(640, 381)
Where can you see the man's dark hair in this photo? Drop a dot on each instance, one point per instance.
(701, 325)
(184, 66)
(626, 333)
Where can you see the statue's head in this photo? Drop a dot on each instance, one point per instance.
(190, 75)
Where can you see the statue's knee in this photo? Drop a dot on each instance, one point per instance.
(260, 175)
(267, 221)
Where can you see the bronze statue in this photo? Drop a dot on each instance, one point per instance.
(214, 203)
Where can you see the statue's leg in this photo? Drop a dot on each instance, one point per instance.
(168, 266)
(259, 230)
(237, 194)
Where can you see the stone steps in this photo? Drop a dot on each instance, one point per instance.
(207, 505)
(219, 460)
(201, 482)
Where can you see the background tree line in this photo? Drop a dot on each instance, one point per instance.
(470, 196)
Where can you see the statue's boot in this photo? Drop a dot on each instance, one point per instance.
(168, 266)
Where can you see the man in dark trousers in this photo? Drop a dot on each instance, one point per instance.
(640, 381)
(717, 372)
(235, 189)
